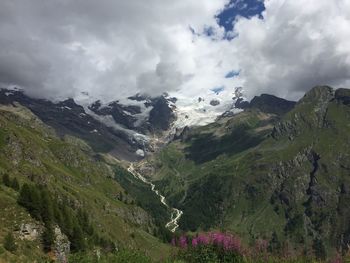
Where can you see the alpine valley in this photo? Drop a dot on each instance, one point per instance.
(143, 179)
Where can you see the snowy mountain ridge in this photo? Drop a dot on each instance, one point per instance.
(132, 126)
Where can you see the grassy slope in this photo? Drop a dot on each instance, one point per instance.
(260, 188)
(30, 151)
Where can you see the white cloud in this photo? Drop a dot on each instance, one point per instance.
(114, 48)
(108, 48)
(299, 44)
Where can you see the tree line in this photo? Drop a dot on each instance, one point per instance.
(45, 207)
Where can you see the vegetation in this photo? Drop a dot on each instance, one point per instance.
(76, 225)
(51, 184)
(116, 257)
(291, 184)
(9, 242)
(146, 199)
(281, 183)
(224, 247)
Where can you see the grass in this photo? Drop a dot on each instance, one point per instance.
(69, 170)
(221, 178)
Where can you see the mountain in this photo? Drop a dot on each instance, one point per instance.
(278, 170)
(58, 194)
(144, 114)
(128, 128)
(271, 104)
(122, 130)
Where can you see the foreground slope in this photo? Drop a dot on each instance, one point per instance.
(267, 175)
(79, 197)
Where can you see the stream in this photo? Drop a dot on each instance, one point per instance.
(176, 214)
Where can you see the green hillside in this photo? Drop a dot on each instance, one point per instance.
(64, 186)
(264, 175)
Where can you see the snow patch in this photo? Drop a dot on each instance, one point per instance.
(140, 152)
(197, 111)
(66, 107)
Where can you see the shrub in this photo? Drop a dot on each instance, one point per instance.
(15, 184)
(211, 247)
(48, 237)
(227, 248)
(6, 180)
(9, 243)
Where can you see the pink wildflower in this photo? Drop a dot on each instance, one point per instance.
(183, 241)
(337, 259)
(195, 242)
(203, 239)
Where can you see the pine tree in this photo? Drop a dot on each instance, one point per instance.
(30, 199)
(67, 221)
(77, 239)
(48, 237)
(24, 198)
(47, 214)
(15, 184)
(6, 180)
(84, 222)
(57, 213)
(9, 243)
(319, 248)
(36, 203)
(275, 244)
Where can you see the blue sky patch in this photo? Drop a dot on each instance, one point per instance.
(232, 74)
(217, 90)
(245, 8)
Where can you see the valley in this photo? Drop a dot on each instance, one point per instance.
(272, 171)
(176, 214)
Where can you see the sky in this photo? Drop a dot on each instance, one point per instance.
(116, 48)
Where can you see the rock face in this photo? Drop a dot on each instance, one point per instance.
(241, 104)
(61, 246)
(293, 181)
(270, 104)
(310, 112)
(182, 133)
(121, 114)
(162, 115)
(30, 231)
(214, 103)
(150, 116)
(67, 117)
(343, 96)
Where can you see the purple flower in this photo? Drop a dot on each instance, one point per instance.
(183, 241)
(195, 242)
(217, 238)
(203, 239)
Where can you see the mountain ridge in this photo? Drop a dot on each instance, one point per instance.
(283, 177)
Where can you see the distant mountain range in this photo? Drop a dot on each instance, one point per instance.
(128, 129)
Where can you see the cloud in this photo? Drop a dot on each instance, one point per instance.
(115, 48)
(108, 47)
(297, 45)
